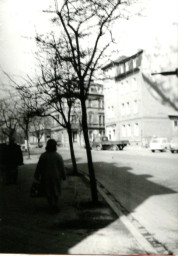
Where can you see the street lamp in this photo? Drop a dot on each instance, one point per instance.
(167, 73)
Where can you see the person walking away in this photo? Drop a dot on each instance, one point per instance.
(2, 152)
(50, 172)
(13, 158)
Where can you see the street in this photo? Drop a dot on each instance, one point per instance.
(145, 183)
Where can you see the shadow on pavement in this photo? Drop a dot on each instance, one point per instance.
(129, 189)
(27, 226)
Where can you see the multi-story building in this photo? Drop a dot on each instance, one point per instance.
(95, 114)
(134, 110)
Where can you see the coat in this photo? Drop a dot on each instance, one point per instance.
(13, 156)
(50, 170)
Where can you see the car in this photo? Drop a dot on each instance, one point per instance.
(24, 147)
(160, 144)
(39, 145)
(174, 145)
(103, 143)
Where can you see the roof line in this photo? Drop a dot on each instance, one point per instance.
(121, 61)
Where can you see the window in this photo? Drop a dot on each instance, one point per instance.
(121, 88)
(136, 129)
(112, 111)
(109, 111)
(74, 119)
(128, 108)
(134, 63)
(100, 89)
(135, 106)
(55, 123)
(134, 84)
(101, 103)
(90, 135)
(101, 119)
(175, 123)
(123, 130)
(126, 67)
(121, 68)
(122, 109)
(74, 136)
(126, 86)
(89, 103)
(90, 118)
(92, 89)
(128, 130)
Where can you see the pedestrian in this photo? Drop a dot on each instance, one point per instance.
(50, 172)
(2, 166)
(12, 158)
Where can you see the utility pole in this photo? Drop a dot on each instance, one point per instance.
(167, 73)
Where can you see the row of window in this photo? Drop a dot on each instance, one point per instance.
(95, 103)
(129, 130)
(128, 86)
(92, 118)
(127, 66)
(127, 108)
(125, 86)
(96, 89)
(99, 119)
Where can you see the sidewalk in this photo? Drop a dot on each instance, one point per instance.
(79, 228)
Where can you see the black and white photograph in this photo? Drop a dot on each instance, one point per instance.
(89, 127)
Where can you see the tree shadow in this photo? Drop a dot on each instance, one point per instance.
(129, 189)
(27, 226)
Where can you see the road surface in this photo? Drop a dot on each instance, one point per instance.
(145, 183)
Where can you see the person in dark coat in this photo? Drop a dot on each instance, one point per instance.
(50, 172)
(13, 158)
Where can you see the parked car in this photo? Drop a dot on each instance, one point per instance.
(160, 144)
(174, 145)
(39, 145)
(103, 143)
(24, 147)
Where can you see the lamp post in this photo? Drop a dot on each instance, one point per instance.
(167, 73)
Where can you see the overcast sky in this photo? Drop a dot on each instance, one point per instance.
(20, 19)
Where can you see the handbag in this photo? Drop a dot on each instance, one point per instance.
(37, 189)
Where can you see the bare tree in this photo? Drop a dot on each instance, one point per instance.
(50, 95)
(8, 117)
(82, 36)
(26, 113)
(84, 24)
(38, 127)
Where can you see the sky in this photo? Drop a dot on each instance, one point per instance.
(20, 20)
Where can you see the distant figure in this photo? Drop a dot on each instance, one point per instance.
(50, 171)
(13, 158)
(2, 167)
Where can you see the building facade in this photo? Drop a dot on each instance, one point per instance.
(95, 115)
(133, 109)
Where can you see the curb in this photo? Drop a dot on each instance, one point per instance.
(142, 236)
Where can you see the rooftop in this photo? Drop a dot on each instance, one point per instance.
(121, 59)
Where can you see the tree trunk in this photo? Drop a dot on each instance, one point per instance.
(38, 139)
(93, 186)
(72, 153)
(28, 148)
